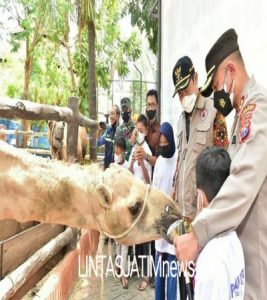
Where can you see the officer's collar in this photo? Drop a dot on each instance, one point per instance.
(200, 102)
(251, 82)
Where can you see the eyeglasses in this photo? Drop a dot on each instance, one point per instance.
(151, 106)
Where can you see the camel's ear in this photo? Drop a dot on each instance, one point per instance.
(105, 195)
(50, 124)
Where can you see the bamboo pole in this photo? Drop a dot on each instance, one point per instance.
(13, 281)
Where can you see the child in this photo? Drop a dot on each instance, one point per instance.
(119, 153)
(121, 250)
(143, 170)
(220, 268)
(163, 179)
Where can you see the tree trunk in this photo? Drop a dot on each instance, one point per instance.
(92, 104)
(27, 75)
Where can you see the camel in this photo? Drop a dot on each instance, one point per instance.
(57, 137)
(111, 201)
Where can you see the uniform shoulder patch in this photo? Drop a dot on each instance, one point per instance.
(245, 122)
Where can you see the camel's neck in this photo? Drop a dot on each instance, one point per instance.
(35, 189)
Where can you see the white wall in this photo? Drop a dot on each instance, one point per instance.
(190, 27)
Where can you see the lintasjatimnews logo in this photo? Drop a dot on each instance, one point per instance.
(104, 265)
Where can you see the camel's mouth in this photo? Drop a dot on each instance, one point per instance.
(168, 217)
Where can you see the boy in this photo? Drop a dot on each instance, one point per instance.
(119, 153)
(220, 268)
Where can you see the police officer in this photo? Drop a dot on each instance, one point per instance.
(199, 126)
(241, 202)
(125, 130)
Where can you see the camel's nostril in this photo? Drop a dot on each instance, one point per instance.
(167, 209)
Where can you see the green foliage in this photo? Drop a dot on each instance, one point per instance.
(112, 51)
(44, 26)
(13, 91)
(140, 10)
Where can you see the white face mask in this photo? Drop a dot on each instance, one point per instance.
(188, 102)
(140, 138)
(118, 158)
(200, 201)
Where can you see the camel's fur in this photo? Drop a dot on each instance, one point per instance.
(33, 188)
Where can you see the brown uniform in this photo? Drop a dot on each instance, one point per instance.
(207, 128)
(242, 201)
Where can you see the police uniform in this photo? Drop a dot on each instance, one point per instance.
(241, 203)
(125, 130)
(204, 127)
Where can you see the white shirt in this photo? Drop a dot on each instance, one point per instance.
(137, 169)
(125, 165)
(220, 269)
(163, 180)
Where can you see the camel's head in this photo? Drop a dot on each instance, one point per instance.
(56, 133)
(122, 199)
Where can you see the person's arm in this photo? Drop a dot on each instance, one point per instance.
(145, 171)
(142, 155)
(132, 160)
(238, 193)
(102, 139)
(133, 137)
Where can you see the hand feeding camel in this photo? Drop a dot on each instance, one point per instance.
(113, 201)
(57, 137)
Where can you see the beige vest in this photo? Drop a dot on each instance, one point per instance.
(201, 136)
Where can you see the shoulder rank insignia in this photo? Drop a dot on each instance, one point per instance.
(245, 122)
(220, 135)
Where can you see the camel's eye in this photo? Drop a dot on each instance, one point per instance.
(134, 210)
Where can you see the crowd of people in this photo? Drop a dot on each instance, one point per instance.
(217, 180)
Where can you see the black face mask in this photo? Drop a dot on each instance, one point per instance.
(164, 151)
(151, 114)
(126, 116)
(222, 100)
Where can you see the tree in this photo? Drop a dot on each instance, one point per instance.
(111, 52)
(36, 19)
(140, 11)
(86, 19)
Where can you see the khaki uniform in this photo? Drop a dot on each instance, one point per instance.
(242, 201)
(207, 128)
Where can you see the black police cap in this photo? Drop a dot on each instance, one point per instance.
(182, 73)
(223, 47)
